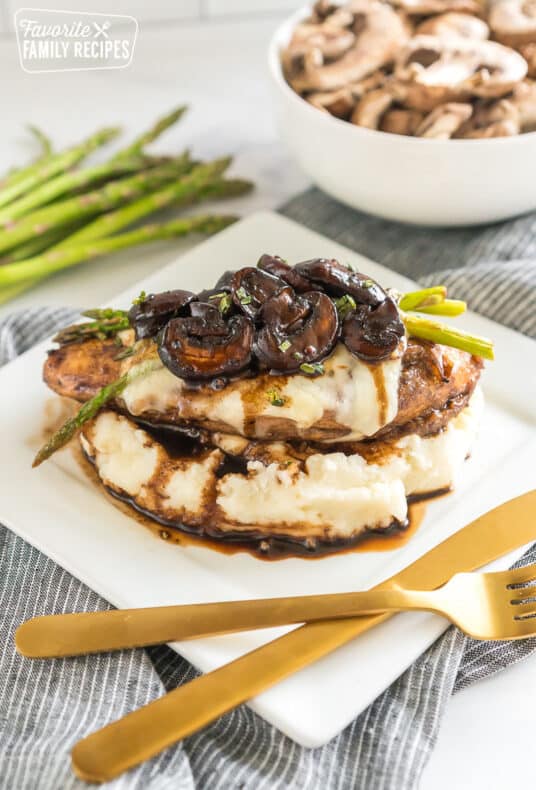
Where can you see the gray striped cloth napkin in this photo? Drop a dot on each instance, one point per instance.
(46, 706)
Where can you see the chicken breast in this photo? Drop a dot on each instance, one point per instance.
(351, 401)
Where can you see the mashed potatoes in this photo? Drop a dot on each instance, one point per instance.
(328, 496)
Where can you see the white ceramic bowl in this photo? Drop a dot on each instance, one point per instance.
(425, 182)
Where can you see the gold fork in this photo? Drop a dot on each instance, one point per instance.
(495, 606)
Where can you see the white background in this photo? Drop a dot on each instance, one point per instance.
(155, 11)
(217, 65)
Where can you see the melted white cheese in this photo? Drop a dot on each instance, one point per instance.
(342, 495)
(359, 397)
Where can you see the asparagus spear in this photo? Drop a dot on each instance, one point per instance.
(111, 195)
(220, 188)
(223, 188)
(431, 300)
(18, 173)
(66, 182)
(43, 140)
(447, 335)
(452, 307)
(92, 407)
(137, 146)
(186, 187)
(106, 323)
(50, 166)
(415, 300)
(56, 260)
(40, 243)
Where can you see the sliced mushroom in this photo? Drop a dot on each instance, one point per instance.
(379, 33)
(498, 129)
(204, 346)
(275, 265)
(323, 9)
(513, 22)
(529, 53)
(373, 333)
(443, 122)
(150, 314)
(498, 118)
(251, 287)
(339, 280)
(524, 100)
(399, 121)
(339, 103)
(370, 110)
(285, 344)
(425, 7)
(332, 42)
(454, 23)
(431, 70)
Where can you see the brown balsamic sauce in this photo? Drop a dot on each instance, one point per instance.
(381, 392)
(394, 537)
(255, 543)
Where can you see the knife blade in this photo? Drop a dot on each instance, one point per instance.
(145, 732)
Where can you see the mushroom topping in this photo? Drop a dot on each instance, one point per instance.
(370, 83)
(299, 331)
(216, 297)
(432, 70)
(251, 287)
(401, 121)
(444, 121)
(323, 9)
(513, 22)
(275, 265)
(524, 100)
(371, 108)
(379, 33)
(372, 334)
(205, 346)
(426, 7)
(339, 103)
(454, 23)
(330, 41)
(338, 280)
(529, 53)
(150, 313)
(499, 118)
(497, 129)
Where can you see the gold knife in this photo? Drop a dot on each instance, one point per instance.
(144, 733)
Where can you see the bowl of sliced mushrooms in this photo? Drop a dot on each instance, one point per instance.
(421, 111)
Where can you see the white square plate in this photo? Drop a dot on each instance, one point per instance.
(57, 510)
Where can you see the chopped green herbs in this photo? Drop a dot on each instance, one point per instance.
(140, 298)
(225, 303)
(345, 304)
(312, 368)
(275, 398)
(284, 346)
(243, 296)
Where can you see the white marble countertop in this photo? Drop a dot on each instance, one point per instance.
(486, 736)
